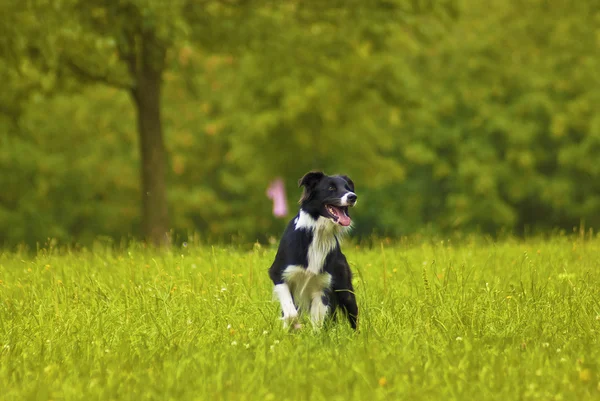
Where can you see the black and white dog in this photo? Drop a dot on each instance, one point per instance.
(310, 272)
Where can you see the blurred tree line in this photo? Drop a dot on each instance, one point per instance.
(122, 117)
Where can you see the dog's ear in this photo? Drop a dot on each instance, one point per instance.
(309, 181)
(349, 181)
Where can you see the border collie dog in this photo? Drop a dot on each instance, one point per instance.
(310, 272)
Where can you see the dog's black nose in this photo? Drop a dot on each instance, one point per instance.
(352, 198)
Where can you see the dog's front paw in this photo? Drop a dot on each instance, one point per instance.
(292, 325)
(290, 319)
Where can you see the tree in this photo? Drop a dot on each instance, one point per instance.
(123, 44)
(461, 115)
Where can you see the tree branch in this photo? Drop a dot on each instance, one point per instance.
(90, 76)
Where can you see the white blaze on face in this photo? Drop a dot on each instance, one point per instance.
(345, 199)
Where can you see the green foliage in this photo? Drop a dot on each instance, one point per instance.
(453, 115)
(476, 320)
(74, 174)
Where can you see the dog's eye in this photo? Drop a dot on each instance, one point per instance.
(331, 188)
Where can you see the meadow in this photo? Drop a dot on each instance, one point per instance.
(468, 319)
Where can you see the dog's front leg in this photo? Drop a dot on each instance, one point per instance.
(318, 309)
(347, 301)
(290, 314)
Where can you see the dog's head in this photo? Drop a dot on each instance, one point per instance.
(328, 196)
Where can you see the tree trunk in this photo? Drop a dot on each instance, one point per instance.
(147, 98)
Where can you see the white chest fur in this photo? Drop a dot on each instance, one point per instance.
(325, 239)
(305, 286)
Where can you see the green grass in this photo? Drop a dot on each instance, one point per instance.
(477, 321)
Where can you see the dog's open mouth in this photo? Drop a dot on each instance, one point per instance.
(339, 214)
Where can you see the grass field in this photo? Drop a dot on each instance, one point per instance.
(515, 320)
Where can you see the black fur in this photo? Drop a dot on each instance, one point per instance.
(320, 190)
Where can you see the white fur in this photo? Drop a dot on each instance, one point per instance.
(305, 220)
(326, 234)
(318, 311)
(344, 200)
(305, 285)
(282, 291)
(308, 288)
(324, 241)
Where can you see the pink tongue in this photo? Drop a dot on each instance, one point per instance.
(343, 218)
